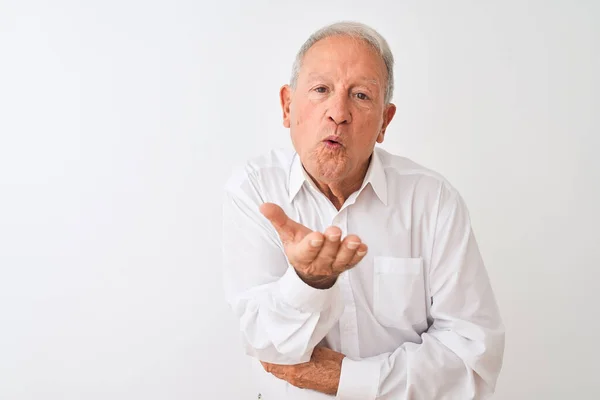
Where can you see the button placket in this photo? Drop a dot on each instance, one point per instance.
(348, 321)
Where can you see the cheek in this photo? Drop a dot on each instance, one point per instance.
(309, 112)
(366, 122)
(371, 121)
(303, 114)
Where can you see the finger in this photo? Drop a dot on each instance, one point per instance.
(267, 366)
(273, 368)
(307, 250)
(280, 374)
(346, 253)
(360, 254)
(280, 370)
(328, 252)
(286, 228)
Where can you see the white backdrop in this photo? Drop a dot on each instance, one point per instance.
(120, 121)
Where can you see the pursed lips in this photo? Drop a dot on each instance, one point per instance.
(333, 140)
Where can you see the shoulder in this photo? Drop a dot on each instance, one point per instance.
(404, 169)
(261, 173)
(427, 190)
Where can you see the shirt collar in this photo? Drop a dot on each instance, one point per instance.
(297, 177)
(375, 176)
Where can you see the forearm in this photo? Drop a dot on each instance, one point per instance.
(444, 365)
(283, 321)
(281, 318)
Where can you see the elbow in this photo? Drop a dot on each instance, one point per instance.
(274, 356)
(489, 365)
(266, 342)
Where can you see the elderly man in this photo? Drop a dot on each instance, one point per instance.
(354, 272)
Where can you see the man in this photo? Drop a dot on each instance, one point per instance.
(354, 272)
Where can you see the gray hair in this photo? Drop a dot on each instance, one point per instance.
(355, 30)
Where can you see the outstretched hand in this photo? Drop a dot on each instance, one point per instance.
(318, 258)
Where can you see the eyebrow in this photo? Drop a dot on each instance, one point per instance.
(313, 76)
(368, 80)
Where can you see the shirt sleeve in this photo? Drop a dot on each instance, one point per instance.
(281, 318)
(460, 355)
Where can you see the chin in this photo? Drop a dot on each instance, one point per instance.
(332, 170)
(328, 166)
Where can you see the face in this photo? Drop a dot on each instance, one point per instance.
(337, 111)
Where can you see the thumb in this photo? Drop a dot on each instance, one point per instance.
(285, 227)
(267, 366)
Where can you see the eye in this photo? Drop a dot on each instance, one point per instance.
(321, 89)
(362, 96)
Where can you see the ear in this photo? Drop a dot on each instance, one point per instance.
(285, 99)
(388, 115)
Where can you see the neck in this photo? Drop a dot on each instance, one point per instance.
(339, 191)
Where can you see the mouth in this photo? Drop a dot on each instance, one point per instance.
(332, 142)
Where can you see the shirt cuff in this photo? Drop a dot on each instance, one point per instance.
(359, 380)
(301, 296)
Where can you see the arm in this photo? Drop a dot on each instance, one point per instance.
(461, 354)
(281, 317)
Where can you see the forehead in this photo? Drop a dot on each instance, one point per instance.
(343, 55)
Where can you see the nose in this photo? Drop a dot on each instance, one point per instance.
(339, 109)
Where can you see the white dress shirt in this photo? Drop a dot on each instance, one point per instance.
(416, 318)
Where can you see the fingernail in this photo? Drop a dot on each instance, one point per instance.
(361, 253)
(333, 238)
(353, 245)
(316, 243)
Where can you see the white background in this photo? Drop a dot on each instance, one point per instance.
(120, 121)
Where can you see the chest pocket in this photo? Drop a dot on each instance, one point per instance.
(399, 299)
